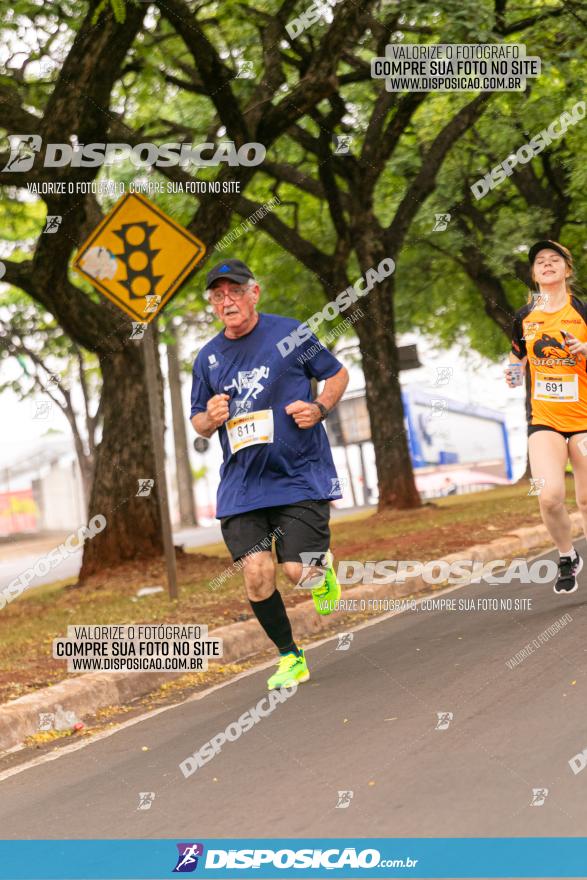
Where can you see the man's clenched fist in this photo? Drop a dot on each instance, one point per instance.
(304, 414)
(217, 409)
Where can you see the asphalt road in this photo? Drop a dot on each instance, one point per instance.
(366, 722)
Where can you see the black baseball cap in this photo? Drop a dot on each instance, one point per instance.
(235, 270)
(551, 245)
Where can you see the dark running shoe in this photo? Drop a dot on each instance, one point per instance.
(568, 569)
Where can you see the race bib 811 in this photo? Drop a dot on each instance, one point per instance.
(250, 429)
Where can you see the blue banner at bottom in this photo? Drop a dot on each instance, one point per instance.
(224, 858)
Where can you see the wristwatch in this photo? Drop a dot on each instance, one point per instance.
(322, 408)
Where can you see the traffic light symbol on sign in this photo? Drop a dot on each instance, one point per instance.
(138, 257)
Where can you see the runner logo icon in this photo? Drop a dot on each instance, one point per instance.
(248, 380)
(344, 800)
(187, 860)
(539, 796)
(444, 719)
(23, 149)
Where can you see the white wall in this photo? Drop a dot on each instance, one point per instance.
(62, 496)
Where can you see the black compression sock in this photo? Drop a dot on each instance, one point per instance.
(272, 616)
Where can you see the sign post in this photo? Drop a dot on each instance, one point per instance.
(138, 258)
(157, 434)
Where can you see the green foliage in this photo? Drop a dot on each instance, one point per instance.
(160, 97)
(49, 362)
(116, 6)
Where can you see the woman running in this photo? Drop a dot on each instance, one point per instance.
(550, 336)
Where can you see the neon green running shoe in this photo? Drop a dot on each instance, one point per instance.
(291, 669)
(328, 592)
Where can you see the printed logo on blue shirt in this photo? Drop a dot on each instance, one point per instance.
(249, 381)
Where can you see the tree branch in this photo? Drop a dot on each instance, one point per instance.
(319, 81)
(425, 181)
(213, 72)
(304, 251)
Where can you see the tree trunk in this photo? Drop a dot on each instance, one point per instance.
(185, 491)
(85, 459)
(86, 469)
(124, 459)
(376, 332)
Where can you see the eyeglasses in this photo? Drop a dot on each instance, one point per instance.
(216, 296)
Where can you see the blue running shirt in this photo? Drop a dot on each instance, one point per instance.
(297, 465)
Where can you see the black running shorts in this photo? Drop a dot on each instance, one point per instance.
(296, 528)
(566, 434)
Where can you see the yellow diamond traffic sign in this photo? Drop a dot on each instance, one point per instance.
(138, 257)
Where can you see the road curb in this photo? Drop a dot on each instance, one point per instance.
(85, 694)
